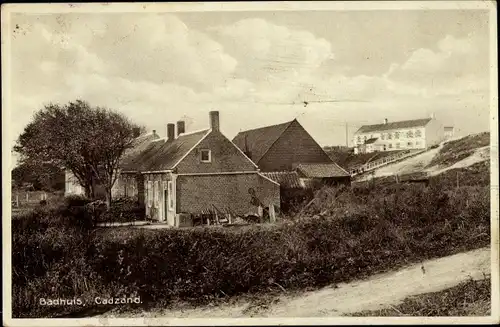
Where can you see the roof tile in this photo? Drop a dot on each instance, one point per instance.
(258, 141)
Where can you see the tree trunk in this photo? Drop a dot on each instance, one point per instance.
(108, 198)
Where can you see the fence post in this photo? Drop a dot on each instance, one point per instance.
(272, 216)
(27, 196)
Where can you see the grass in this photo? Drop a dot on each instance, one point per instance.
(470, 298)
(346, 234)
(457, 150)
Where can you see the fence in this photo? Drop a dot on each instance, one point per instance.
(360, 169)
(24, 199)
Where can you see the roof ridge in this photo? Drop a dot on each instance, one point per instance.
(276, 140)
(268, 126)
(399, 121)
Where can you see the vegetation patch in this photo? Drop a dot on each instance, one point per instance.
(347, 234)
(457, 150)
(470, 298)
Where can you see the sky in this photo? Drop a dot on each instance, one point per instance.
(257, 68)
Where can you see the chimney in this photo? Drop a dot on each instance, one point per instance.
(214, 120)
(385, 121)
(181, 127)
(170, 132)
(136, 131)
(154, 131)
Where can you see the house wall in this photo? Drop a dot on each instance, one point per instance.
(226, 192)
(129, 185)
(294, 146)
(225, 157)
(397, 139)
(434, 133)
(72, 186)
(154, 201)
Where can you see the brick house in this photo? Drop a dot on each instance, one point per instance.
(289, 147)
(194, 173)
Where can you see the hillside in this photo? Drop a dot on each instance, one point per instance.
(347, 159)
(470, 152)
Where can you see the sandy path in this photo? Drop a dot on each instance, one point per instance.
(376, 292)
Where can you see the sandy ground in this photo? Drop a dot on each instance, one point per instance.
(412, 164)
(481, 154)
(376, 292)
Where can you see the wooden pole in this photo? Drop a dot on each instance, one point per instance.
(272, 216)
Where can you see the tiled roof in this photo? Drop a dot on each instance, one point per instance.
(394, 125)
(286, 179)
(321, 170)
(162, 154)
(139, 144)
(372, 140)
(259, 141)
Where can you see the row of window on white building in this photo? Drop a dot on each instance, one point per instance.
(395, 135)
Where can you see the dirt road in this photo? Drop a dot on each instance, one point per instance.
(377, 292)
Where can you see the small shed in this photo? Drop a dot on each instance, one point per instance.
(324, 173)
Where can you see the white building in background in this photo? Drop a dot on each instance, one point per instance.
(449, 131)
(401, 135)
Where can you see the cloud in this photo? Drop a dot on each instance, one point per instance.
(156, 69)
(270, 54)
(455, 62)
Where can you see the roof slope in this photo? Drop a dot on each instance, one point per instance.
(322, 170)
(394, 125)
(286, 179)
(162, 154)
(258, 141)
(372, 140)
(139, 144)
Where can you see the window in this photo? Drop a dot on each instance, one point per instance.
(359, 139)
(390, 145)
(410, 144)
(170, 187)
(365, 138)
(206, 156)
(409, 134)
(396, 135)
(150, 193)
(418, 133)
(398, 145)
(382, 136)
(417, 143)
(155, 194)
(389, 136)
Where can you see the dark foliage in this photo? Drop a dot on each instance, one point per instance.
(348, 235)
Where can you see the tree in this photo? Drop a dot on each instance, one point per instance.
(88, 141)
(44, 177)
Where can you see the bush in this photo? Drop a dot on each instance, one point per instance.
(347, 234)
(124, 210)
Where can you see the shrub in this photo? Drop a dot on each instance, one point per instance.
(347, 234)
(123, 210)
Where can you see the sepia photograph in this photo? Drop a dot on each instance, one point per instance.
(250, 163)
